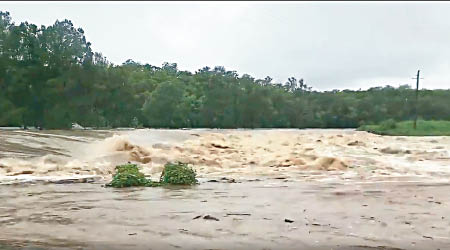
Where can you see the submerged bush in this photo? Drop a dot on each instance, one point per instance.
(128, 175)
(178, 174)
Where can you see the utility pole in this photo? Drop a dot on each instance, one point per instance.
(417, 98)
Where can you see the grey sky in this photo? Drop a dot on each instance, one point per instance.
(332, 45)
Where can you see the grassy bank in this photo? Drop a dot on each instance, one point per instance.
(424, 128)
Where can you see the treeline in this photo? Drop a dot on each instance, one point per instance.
(50, 78)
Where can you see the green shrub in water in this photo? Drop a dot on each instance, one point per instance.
(128, 175)
(178, 174)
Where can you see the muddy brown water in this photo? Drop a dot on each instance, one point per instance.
(264, 210)
(251, 215)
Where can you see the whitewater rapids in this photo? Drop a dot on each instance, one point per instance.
(318, 154)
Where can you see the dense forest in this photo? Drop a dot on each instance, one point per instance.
(50, 78)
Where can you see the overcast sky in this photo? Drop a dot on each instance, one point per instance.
(331, 45)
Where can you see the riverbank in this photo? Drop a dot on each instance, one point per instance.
(405, 128)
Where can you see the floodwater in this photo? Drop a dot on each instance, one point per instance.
(259, 189)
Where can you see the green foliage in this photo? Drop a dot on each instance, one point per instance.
(50, 77)
(165, 105)
(388, 124)
(128, 176)
(405, 128)
(178, 174)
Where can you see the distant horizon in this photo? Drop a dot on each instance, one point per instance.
(346, 45)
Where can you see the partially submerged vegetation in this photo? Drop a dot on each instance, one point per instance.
(424, 128)
(178, 174)
(128, 175)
